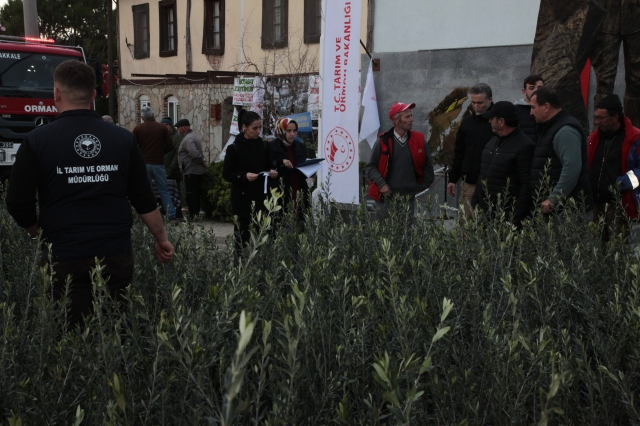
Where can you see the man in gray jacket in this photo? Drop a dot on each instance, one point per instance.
(192, 164)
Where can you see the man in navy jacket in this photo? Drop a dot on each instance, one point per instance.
(87, 174)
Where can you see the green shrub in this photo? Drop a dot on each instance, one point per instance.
(216, 193)
(355, 323)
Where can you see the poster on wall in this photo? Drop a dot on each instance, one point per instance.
(243, 89)
(340, 99)
(234, 130)
(257, 100)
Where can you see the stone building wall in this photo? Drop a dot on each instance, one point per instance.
(194, 103)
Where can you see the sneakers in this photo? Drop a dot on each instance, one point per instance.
(174, 222)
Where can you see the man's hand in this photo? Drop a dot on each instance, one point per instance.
(287, 163)
(164, 251)
(273, 173)
(252, 176)
(32, 230)
(385, 190)
(547, 206)
(153, 221)
(451, 189)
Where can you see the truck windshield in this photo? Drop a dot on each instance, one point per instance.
(28, 70)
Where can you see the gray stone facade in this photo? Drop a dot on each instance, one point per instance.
(194, 103)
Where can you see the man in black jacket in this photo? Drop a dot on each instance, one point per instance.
(506, 167)
(527, 122)
(87, 174)
(472, 136)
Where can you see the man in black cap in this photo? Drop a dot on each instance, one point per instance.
(192, 163)
(614, 161)
(505, 167)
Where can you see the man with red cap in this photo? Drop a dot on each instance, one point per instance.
(614, 160)
(400, 163)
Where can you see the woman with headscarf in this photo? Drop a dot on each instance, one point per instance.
(287, 151)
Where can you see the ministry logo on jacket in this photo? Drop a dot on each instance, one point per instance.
(87, 146)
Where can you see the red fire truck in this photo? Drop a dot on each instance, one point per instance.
(26, 89)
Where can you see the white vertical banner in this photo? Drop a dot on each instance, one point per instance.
(340, 99)
(370, 119)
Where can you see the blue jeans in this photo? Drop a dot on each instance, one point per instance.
(158, 173)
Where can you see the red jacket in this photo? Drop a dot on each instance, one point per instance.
(416, 147)
(632, 135)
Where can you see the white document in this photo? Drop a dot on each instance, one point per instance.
(310, 170)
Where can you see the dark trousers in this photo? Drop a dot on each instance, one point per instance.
(605, 65)
(241, 234)
(192, 184)
(118, 270)
(614, 220)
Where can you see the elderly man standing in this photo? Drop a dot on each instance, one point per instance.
(400, 163)
(472, 136)
(560, 154)
(614, 160)
(192, 163)
(154, 141)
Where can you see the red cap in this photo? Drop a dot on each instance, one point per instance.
(399, 107)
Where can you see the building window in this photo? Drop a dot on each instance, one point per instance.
(312, 21)
(172, 108)
(143, 101)
(141, 30)
(168, 28)
(213, 37)
(275, 23)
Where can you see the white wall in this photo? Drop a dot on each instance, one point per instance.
(411, 25)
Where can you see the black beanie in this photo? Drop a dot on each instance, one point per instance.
(610, 102)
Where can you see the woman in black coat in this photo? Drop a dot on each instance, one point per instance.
(287, 152)
(246, 159)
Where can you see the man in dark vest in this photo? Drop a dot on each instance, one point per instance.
(614, 161)
(87, 174)
(560, 154)
(528, 123)
(400, 163)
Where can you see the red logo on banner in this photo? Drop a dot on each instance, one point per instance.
(339, 150)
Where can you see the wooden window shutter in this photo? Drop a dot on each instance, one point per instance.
(267, 24)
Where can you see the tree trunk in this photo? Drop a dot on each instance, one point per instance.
(371, 6)
(30, 10)
(188, 36)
